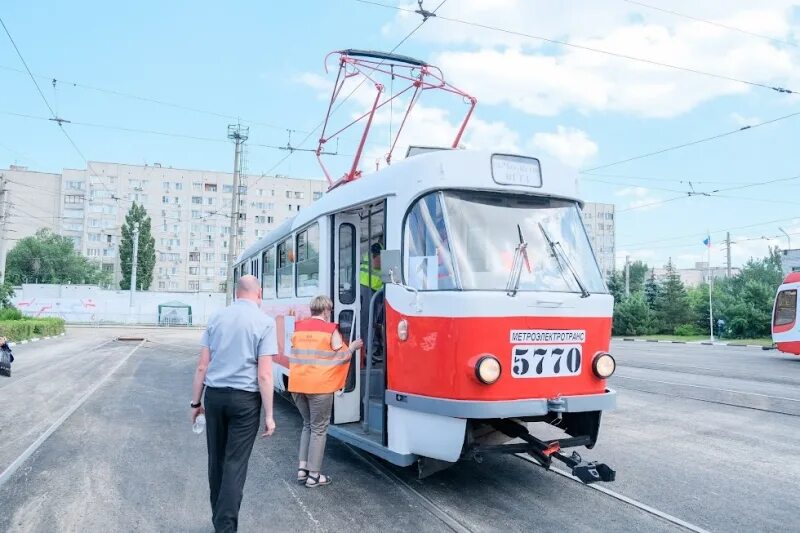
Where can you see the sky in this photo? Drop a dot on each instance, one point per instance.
(126, 74)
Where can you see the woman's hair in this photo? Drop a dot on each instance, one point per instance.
(320, 304)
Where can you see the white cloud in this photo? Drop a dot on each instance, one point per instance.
(741, 120)
(638, 198)
(570, 145)
(546, 79)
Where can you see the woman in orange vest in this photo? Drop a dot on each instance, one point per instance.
(318, 367)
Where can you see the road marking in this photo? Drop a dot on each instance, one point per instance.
(710, 388)
(630, 501)
(62, 362)
(12, 468)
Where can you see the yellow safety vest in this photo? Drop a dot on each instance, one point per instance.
(373, 281)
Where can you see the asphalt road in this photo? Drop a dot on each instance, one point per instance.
(126, 459)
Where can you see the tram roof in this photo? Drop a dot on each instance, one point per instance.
(415, 175)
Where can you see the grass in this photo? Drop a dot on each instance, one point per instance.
(701, 338)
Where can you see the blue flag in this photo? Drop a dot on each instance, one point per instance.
(707, 241)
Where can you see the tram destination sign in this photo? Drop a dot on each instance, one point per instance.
(516, 170)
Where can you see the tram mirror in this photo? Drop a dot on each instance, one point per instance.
(390, 266)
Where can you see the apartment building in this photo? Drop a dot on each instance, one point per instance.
(190, 212)
(32, 201)
(600, 225)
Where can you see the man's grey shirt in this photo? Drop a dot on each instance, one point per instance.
(237, 336)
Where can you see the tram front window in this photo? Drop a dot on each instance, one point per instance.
(474, 236)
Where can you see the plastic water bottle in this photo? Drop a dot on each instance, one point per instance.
(199, 424)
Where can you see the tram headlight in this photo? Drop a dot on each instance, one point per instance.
(488, 369)
(604, 365)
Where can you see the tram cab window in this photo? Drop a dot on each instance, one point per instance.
(429, 263)
(285, 277)
(268, 274)
(308, 261)
(786, 307)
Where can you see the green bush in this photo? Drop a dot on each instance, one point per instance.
(27, 328)
(687, 330)
(10, 313)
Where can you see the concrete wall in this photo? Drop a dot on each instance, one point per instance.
(91, 304)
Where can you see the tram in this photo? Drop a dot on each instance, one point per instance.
(491, 311)
(785, 323)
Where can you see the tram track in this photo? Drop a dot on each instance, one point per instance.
(792, 405)
(453, 523)
(705, 371)
(622, 498)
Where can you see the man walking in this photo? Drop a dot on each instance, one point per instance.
(235, 366)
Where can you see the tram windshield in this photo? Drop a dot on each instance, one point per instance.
(468, 240)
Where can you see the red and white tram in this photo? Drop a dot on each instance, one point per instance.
(785, 323)
(495, 313)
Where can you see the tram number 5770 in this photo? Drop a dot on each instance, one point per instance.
(545, 361)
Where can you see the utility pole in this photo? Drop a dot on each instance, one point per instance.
(788, 239)
(134, 260)
(238, 134)
(710, 290)
(3, 218)
(627, 275)
(728, 246)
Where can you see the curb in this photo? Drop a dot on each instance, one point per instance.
(703, 343)
(35, 339)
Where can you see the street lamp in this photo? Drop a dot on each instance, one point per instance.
(788, 240)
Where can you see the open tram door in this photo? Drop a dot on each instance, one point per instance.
(346, 298)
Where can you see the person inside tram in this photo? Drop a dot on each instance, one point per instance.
(370, 280)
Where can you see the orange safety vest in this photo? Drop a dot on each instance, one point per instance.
(314, 367)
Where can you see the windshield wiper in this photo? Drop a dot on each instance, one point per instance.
(562, 259)
(520, 258)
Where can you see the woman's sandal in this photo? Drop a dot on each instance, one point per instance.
(317, 481)
(302, 475)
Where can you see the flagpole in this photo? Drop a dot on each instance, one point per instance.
(710, 290)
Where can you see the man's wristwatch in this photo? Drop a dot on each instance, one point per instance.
(195, 405)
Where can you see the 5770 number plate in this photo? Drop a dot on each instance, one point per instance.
(542, 361)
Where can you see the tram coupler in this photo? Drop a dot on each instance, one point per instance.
(587, 472)
(544, 452)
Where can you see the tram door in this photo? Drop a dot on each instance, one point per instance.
(346, 298)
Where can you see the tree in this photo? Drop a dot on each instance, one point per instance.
(633, 316)
(651, 290)
(637, 272)
(616, 286)
(672, 305)
(6, 293)
(146, 259)
(50, 258)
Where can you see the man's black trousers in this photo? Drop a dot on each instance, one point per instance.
(232, 420)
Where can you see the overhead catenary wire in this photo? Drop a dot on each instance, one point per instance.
(722, 230)
(692, 143)
(148, 99)
(778, 89)
(712, 23)
(54, 117)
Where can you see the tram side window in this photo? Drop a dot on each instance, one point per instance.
(308, 261)
(285, 268)
(430, 264)
(268, 274)
(786, 307)
(347, 264)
